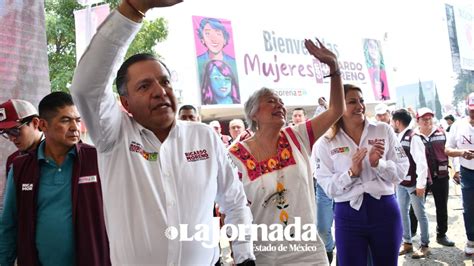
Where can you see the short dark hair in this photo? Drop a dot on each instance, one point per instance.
(28, 119)
(450, 117)
(403, 116)
(49, 105)
(300, 109)
(122, 74)
(215, 24)
(187, 107)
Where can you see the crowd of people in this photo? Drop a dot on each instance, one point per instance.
(154, 167)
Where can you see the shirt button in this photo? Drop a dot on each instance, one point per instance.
(171, 204)
(59, 170)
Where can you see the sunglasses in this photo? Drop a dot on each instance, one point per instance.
(12, 132)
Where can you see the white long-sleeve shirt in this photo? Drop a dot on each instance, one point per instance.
(334, 159)
(150, 185)
(461, 136)
(417, 151)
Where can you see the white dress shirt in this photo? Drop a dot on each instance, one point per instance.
(334, 159)
(150, 185)
(461, 136)
(417, 151)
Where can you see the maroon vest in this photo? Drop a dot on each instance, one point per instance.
(405, 142)
(437, 159)
(90, 236)
(10, 160)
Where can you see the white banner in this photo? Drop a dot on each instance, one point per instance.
(464, 19)
(23, 60)
(87, 21)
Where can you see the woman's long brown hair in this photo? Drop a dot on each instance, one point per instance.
(332, 132)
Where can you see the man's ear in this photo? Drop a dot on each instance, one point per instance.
(43, 125)
(124, 101)
(35, 122)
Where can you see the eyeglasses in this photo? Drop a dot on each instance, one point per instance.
(13, 132)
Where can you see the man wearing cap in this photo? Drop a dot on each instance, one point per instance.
(412, 189)
(461, 144)
(434, 140)
(53, 202)
(382, 113)
(19, 123)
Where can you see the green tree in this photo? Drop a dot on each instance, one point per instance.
(421, 96)
(438, 109)
(464, 86)
(61, 39)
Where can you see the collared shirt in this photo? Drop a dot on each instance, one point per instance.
(54, 228)
(461, 136)
(417, 151)
(150, 185)
(334, 159)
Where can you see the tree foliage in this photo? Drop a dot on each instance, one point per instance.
(464, 87)
(61, 39)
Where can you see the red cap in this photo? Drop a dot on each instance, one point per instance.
(13, 111)
(470, 101)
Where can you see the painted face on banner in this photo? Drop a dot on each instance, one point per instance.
(213, 39)
(220, 84)
(374, 52)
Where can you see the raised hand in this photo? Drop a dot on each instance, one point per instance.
(376, 153)
(159, 3)
(357, 159)
(136, 9)
(323, 54)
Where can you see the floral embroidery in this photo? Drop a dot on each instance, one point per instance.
(250, 164)
(256, 169)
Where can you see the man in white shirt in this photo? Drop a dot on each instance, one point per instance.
(434, 140)
(461, 144)
(412, 188)
(159, 174)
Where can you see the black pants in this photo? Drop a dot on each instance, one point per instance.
(440, 190)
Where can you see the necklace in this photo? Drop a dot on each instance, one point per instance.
(270, 162)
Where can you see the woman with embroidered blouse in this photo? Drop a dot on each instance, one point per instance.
(276, 172)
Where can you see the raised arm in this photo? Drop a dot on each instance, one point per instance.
(321, 123)
(92, 83)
